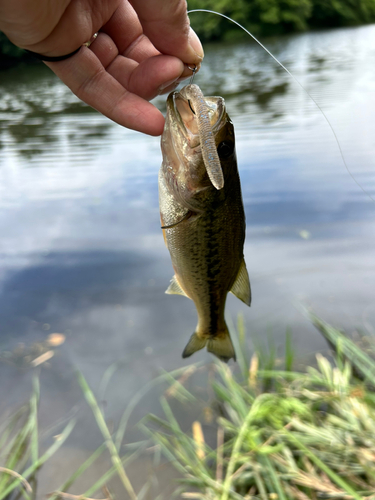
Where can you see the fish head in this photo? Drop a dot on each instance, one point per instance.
(183, 164)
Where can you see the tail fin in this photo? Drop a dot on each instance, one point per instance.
(220, 345)
(195, 344)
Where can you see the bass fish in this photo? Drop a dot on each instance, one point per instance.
(202, 214)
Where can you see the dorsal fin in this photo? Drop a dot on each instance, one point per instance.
(175, 288)
(241, 286)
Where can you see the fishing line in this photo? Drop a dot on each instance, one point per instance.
(299, 83)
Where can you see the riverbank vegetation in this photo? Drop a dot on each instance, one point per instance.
(275, 17)
(281, 434)
(10, 54)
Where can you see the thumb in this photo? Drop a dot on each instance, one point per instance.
(166, 24)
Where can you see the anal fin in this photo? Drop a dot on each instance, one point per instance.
(241, 286)
(175, 288)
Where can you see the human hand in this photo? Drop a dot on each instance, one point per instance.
(143, 49)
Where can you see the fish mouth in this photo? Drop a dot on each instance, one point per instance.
(184, 114)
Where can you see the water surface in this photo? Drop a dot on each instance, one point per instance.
(81, 249)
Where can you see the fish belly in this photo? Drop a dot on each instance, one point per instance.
(206, 252)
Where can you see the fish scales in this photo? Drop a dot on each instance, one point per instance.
(204, 227)
(205, 263)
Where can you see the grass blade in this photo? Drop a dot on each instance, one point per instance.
(330, 473)
(91, 400)
(34, 417)
(36, 465)
(355, 354)
(137, 398)
(80, 470)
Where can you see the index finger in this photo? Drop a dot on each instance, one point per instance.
(167, 25)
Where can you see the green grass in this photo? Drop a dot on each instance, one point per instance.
(281, 434)
(20, 460)
(19, 450)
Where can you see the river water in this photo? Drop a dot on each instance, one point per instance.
(81, 248)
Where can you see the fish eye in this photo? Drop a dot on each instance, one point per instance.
(225, 149)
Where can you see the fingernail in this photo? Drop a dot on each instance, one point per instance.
(195, 44)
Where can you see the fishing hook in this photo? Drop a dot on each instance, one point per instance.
(194, 70)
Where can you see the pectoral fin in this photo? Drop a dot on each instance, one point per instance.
(241, 287)
(184, 217)
(175, 288)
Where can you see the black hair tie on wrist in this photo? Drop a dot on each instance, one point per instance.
(41, 57)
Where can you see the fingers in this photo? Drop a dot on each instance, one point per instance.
(105, 49)
(150, 77)
(147, 79)
(126, 31)
(166, 24)
(120, 73)
(88, 79)
(139, 53)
